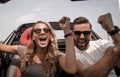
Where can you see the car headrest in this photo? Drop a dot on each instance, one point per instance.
(25, 37)
(118, 65)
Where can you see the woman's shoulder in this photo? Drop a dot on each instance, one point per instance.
(58, 54)
(21, 49)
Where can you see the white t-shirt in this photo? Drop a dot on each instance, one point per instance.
(94, 53)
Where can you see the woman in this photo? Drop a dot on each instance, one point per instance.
(40, 55)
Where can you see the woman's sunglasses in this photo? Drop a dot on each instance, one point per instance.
(78, 33)
(38, 31)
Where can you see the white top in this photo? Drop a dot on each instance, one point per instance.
(94, 53)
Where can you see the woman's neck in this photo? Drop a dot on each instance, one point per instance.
(40, 54)
(41, 51)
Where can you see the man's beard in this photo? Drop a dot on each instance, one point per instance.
(82, 47)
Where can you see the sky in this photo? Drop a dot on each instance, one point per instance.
(17, 12)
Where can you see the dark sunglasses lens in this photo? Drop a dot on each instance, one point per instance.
(37, 31)
(86, 33)
(46, 30)
(77, 33)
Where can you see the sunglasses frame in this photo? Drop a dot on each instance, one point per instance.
(85, 33)
(38, 31)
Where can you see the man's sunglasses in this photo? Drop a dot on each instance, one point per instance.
(78, 33)
(38, 31)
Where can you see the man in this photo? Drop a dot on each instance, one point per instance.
(95, 58)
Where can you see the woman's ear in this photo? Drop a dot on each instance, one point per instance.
(33, 38)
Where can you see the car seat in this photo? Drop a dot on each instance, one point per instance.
(14, 68)
(25, 37)
(117, 69)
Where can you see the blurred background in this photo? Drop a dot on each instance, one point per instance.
(14, 13)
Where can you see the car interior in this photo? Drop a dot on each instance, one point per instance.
(10, 63)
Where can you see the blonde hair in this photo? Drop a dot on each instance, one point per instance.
(49, 58)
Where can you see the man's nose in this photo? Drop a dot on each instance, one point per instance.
(81, 35)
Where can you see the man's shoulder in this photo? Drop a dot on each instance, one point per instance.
(101, 42)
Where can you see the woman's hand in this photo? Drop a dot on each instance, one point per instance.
(64, 24)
